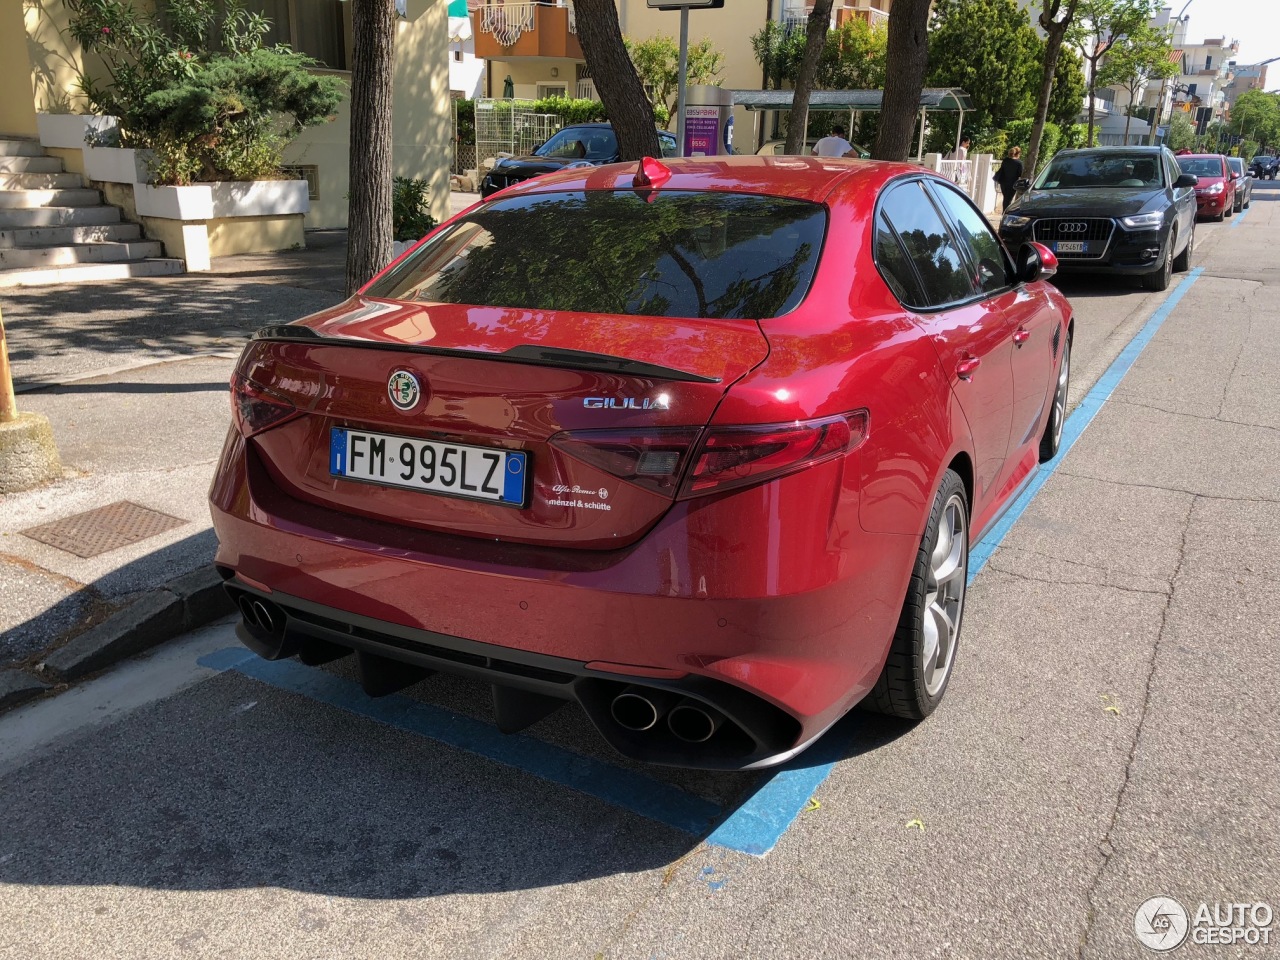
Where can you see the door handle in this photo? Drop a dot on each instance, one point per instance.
(965, 368)
(1021, 336)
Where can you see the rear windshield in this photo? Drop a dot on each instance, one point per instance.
(672, 254)
(1201, 166)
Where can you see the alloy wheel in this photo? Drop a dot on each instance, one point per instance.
(1060, 396)
(944, 595)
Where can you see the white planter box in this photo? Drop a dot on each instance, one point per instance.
(68, 130)
(174, 203)
(259, 198)
(116, 164)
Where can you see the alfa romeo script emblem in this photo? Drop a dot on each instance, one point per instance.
(403, 389)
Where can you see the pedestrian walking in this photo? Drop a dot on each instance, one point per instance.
(1008, 175)
(834, 144)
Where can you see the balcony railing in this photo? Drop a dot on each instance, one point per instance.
(508, 22)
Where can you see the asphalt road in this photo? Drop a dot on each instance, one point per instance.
(1110, 735)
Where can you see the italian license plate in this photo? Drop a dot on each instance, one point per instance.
(453, 469)
(1070, 246)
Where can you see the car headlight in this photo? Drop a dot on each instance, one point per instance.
(1216, 188)
(1014, 221)
(1138, 221)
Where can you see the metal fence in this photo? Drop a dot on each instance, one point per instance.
(505, 126)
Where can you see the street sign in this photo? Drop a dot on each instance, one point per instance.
(685, 4)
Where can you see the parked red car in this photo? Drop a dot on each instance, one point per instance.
(702, 447)
(1215, 191)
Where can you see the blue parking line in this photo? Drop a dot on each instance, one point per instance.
(1235, 222)
(630, 791)
(757, 825)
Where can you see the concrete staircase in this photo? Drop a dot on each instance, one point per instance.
(53, 230)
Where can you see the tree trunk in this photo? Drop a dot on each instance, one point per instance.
(1128, 119)
(1055, 31)
(369, 234)
(906, 58)
(616, 80)
(1093, 83)
(815, 39)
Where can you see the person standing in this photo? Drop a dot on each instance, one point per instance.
(961, 152)
(834, 145)
(1008, 175)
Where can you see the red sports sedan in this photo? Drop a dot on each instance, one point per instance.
(1215, 190)
(701, 446)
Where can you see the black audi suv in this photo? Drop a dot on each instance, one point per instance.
(1124, 210)
(582, 145)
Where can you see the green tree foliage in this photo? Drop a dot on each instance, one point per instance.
(191, 81)
(657, 61)
(409, 201)
(1136, 59)
(1018, 134)
(1099, 25)
(778, 51)
(988, 49)
(1067, 98)
(1257, 115)
(1182, 132)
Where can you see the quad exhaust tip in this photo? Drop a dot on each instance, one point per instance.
(640, 708)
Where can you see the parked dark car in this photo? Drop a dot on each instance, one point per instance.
(1244, 183)
(1126, 210)
(582, 145)
(1264, 167)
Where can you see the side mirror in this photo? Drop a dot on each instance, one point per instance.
(1186, 180)
(1022, 184)
(1234, 175)
(1035, 262)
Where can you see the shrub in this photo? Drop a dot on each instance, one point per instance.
(200, 91)
(409, 218)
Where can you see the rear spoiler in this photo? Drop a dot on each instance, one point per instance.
(528, 354)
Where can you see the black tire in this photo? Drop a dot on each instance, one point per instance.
(1159, 279)
(903, 689)
(1052, 438)
(1182, 262)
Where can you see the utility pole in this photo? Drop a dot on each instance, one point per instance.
(8, 405)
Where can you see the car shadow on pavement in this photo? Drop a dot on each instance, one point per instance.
(232, 785)
(58, 331)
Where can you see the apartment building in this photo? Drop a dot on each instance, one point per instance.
(531, 48)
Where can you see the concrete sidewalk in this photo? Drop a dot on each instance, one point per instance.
(133, 376)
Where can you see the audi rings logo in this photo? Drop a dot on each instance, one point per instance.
(1074, 226)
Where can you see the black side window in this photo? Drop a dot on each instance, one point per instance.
(942, 268)
(987, 256)
(895, 267)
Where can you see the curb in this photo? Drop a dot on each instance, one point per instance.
(182, 604)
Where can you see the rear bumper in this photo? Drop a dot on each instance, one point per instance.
(783, 656)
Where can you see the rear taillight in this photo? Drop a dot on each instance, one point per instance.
(652, 459)
(725, 459)
(254, 408)
(731, 457)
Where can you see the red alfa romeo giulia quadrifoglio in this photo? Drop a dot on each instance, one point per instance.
(701, 445)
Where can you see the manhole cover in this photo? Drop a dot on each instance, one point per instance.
(106, 528)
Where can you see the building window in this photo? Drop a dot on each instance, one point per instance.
(305, 171)
(552, 90)
(319, 28)
(1208, 63)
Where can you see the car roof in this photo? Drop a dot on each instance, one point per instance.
(1202, 156)
(804, 178)
(1103, 151)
